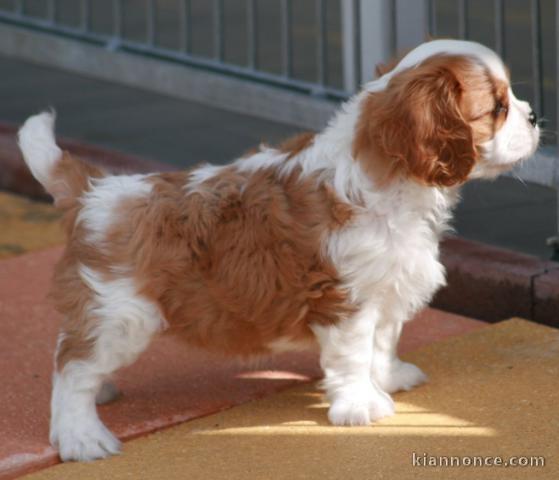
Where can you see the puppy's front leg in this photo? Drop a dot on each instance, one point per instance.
(389, 372)
(346, 356)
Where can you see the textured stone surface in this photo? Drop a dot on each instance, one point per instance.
(26, 225)
(488, 283)
(492, 393)
(170, 383)
(546, 297)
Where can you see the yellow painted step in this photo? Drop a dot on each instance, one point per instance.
(492, 393)
(26, 225)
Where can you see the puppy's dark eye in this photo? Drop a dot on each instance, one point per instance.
(500, 109)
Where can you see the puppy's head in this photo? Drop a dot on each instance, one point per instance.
(445, 113)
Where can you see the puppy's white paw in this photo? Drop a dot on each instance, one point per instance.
(83, 440)
(400, 376)
(360, 409)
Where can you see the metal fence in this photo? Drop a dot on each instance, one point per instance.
(291, 44)
(319, 47)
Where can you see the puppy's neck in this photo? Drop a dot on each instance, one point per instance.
(331, 153)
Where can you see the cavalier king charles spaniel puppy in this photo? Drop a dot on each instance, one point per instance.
(330, 238)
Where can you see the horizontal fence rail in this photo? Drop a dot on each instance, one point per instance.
(49, 20)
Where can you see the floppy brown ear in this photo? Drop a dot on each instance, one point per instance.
(416, 126)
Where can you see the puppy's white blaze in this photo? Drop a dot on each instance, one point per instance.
(101, 202)
(38, 145)
(450, 47)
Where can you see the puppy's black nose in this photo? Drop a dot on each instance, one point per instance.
(533, 118)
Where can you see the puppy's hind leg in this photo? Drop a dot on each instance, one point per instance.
(116, 325)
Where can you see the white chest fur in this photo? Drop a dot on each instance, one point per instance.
(389, 254)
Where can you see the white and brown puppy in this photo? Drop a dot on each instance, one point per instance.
(330, 238)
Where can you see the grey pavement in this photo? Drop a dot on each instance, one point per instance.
(505, 212)
(130, 120)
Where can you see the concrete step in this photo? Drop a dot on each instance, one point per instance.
(170, 384)
(492, 395)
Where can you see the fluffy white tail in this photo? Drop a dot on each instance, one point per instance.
(64, 177)
(38, 145)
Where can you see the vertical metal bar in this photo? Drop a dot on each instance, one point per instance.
(463, 18)
(218, 29)
(556, 163)
(349, 23)
(358, 43)
(51, 11)
(286, 43)
(85, 10)
(117, 19)
(535, 16)
(252, 34)
(375, 24)
(321, 42)
(18, 7)
(185, 28)
(499, 16)
(150, 21)
(432, 17)
(393, 29)
(409, 23)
